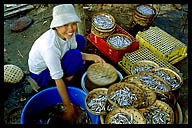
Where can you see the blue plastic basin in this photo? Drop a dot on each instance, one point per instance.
(50, 96)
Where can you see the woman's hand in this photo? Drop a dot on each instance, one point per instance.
(70, 114)
(97, 59)
(92, 57)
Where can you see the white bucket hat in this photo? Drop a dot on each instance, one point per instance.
(64, 14)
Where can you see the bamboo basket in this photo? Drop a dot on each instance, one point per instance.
(104, 30)
(92, 94)
(143, 19)
(102, 74)
(12, 74)
(137, 116)
(136, 90)
(143, 73)
(101, 34)
(171, 74)
(150, 95)
(142, 64)
(117, 34)
(163, 107)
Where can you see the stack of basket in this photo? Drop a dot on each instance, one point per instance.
(144, 15)
(103, 24)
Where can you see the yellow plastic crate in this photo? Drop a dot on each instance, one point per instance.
(143, 53)
(162, 43)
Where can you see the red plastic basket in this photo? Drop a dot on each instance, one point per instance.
(111, 53)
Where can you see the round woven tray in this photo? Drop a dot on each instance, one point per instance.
(142, 64)
(12, 74)
(123, 35)
(131, 78)
(172, 74)
(150, 95)
(163, 107)
(136, 90)
(13, 116)
(92, 94)
(102, 74)
(101, 34)
(143, 73)
(142, 19)
(137, 116)
(104, 30)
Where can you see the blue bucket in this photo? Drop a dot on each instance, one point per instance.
(50, 96)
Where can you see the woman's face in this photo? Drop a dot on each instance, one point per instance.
(66, 31)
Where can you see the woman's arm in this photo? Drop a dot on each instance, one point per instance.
(92, 57)
(61, 87)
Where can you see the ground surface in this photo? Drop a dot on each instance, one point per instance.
(17, 45)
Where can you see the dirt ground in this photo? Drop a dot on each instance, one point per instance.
(17, 44)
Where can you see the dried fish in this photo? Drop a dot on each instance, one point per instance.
(124, 97)
(153, 83)
(170, 80)
(121, 118)
(103, 21)
(139, 69)
(119, 41)
(145, 10)
(154, 116)
(98, 103)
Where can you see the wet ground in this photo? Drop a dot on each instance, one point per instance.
(170, 18)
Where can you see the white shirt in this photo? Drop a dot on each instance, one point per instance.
(47, 52)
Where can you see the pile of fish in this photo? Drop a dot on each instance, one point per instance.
(98, 103)
(121, 118)
(170, 80)
(153, 83)
(145, 10)
(139, 69)
(103, 21)
(119, 41)
(155, 116)
(124, 97)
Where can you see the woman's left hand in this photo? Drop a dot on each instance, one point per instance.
(97, 59)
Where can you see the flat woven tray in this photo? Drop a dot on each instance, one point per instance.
(143, 64)
(162, 107)
(134, 89)
(12, 74)
(95, 93)
(149, 95)
(137, 116)
(171, 74)
(102, 74)
(104, 30)
(122, 35)
(144, 73)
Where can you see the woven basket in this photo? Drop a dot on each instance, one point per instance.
(163, 107)
(92, 94)
(136, 90)
(142, 64)
(143, 73)
(102, 74)
(104, 30)
(137, 116)
(12, 74)
(101, 34)
(13, 116)
(123, 35)
(172, 74)
(142, 19)
(150, 95)
(131, 78)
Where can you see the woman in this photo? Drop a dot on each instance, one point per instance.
(56, 56)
